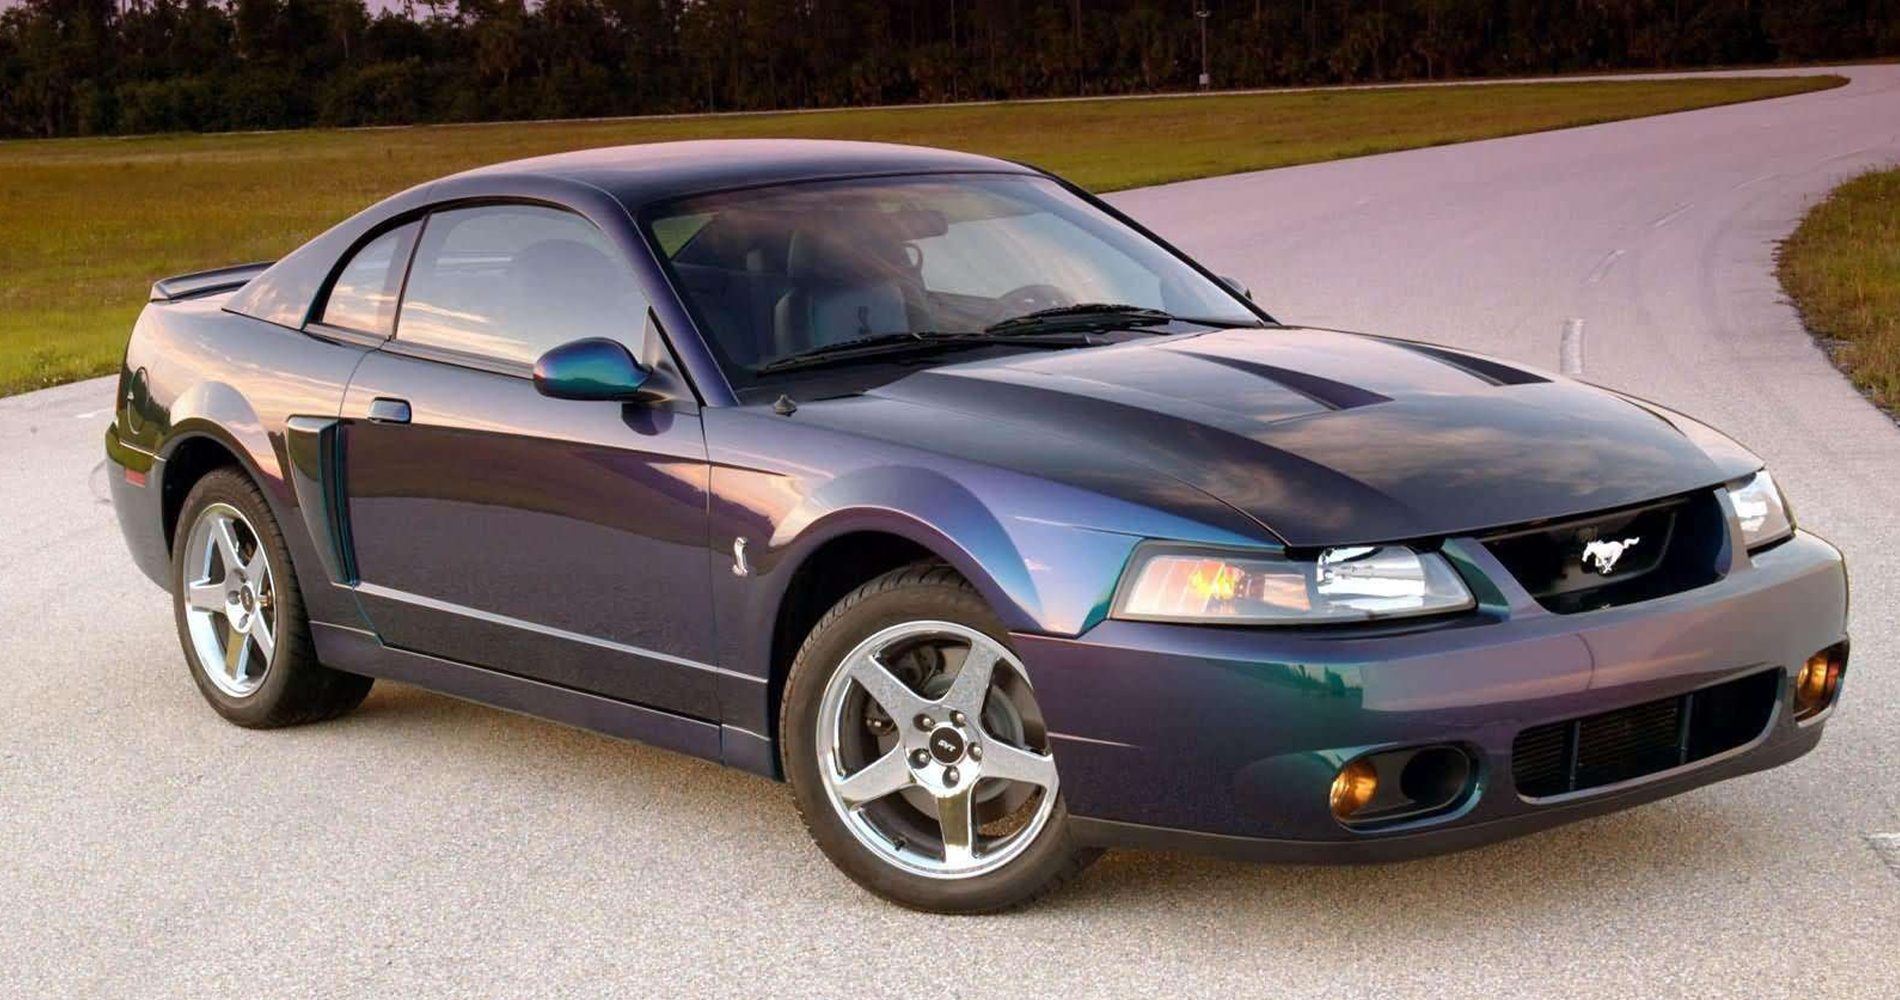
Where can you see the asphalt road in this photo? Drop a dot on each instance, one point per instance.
(425, 845)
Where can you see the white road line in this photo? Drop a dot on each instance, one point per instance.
(89, 414)
(1848, 155)
(1754, 180)
(1671, 217)
(1603, 267)
(1570, 349)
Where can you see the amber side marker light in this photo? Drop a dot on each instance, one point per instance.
(1819, 680)
(1353, 787)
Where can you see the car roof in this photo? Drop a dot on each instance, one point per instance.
(630, 177)
(643, 174)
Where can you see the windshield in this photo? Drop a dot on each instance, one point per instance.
(797, 270)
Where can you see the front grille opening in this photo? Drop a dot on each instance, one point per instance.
(1651, 551)
(1597, 750)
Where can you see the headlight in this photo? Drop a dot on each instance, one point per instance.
(1762, 509)
(1360, 583)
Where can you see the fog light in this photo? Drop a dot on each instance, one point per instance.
(1353, 787)
(1819, 679)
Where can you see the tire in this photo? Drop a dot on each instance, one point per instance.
(276, 679)
(921, 621)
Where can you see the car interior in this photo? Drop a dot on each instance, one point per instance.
(771, 284)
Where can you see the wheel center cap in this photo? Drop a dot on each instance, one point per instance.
(946, 745)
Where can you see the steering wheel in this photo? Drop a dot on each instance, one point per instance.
(1031, 298)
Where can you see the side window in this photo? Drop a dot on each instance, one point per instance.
(508, 282)
(363, 298)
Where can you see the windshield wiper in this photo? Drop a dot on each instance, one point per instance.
(1101, 315)
(903, 342)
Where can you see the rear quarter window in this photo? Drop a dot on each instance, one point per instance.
(363, 296)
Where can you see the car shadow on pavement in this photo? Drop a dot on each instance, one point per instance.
(1601, 862)
(1595, 863)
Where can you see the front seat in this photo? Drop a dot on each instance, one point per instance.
(847, 281)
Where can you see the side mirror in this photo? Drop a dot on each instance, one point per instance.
(1234, 283)
(596, 368)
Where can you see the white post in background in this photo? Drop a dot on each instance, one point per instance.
(1201, 14)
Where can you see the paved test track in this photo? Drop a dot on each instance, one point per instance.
(429, 845)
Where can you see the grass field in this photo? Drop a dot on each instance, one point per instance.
(1842, 268)
(87, 224)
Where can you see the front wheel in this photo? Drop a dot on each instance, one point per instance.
(917, 753)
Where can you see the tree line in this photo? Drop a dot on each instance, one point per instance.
(82, 67)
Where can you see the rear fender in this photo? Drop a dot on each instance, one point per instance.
(218, 411)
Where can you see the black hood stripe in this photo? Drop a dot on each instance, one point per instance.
(1488, 371)
(1324, 391)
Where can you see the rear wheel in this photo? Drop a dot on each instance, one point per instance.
(240, 613)
(918, 754)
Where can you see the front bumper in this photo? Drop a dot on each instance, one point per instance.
(1227, 739)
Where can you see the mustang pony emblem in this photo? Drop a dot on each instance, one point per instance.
(1603, 554)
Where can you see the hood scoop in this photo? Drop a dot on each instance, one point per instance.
(1324, 391)
(1483, 369)
(1236, 394)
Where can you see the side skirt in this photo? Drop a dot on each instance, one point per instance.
(360, 652)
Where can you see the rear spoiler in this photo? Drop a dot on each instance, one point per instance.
(224, 279)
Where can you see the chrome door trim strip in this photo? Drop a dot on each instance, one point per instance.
(390, 593)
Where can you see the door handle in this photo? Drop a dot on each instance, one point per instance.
(384, 410)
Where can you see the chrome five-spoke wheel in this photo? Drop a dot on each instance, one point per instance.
(934, 754)
(230, 600)
(240, 612)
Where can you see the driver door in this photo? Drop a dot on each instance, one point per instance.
(554, 539)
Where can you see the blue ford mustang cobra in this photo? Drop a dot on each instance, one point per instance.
(997, 527)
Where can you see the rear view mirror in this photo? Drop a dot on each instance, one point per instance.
(595, 368)
(1235, 284)
(919, 223)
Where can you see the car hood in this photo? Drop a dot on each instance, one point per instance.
(1329, 438)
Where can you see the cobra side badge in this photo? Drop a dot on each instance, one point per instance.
(1603, 554)
(739, 565)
